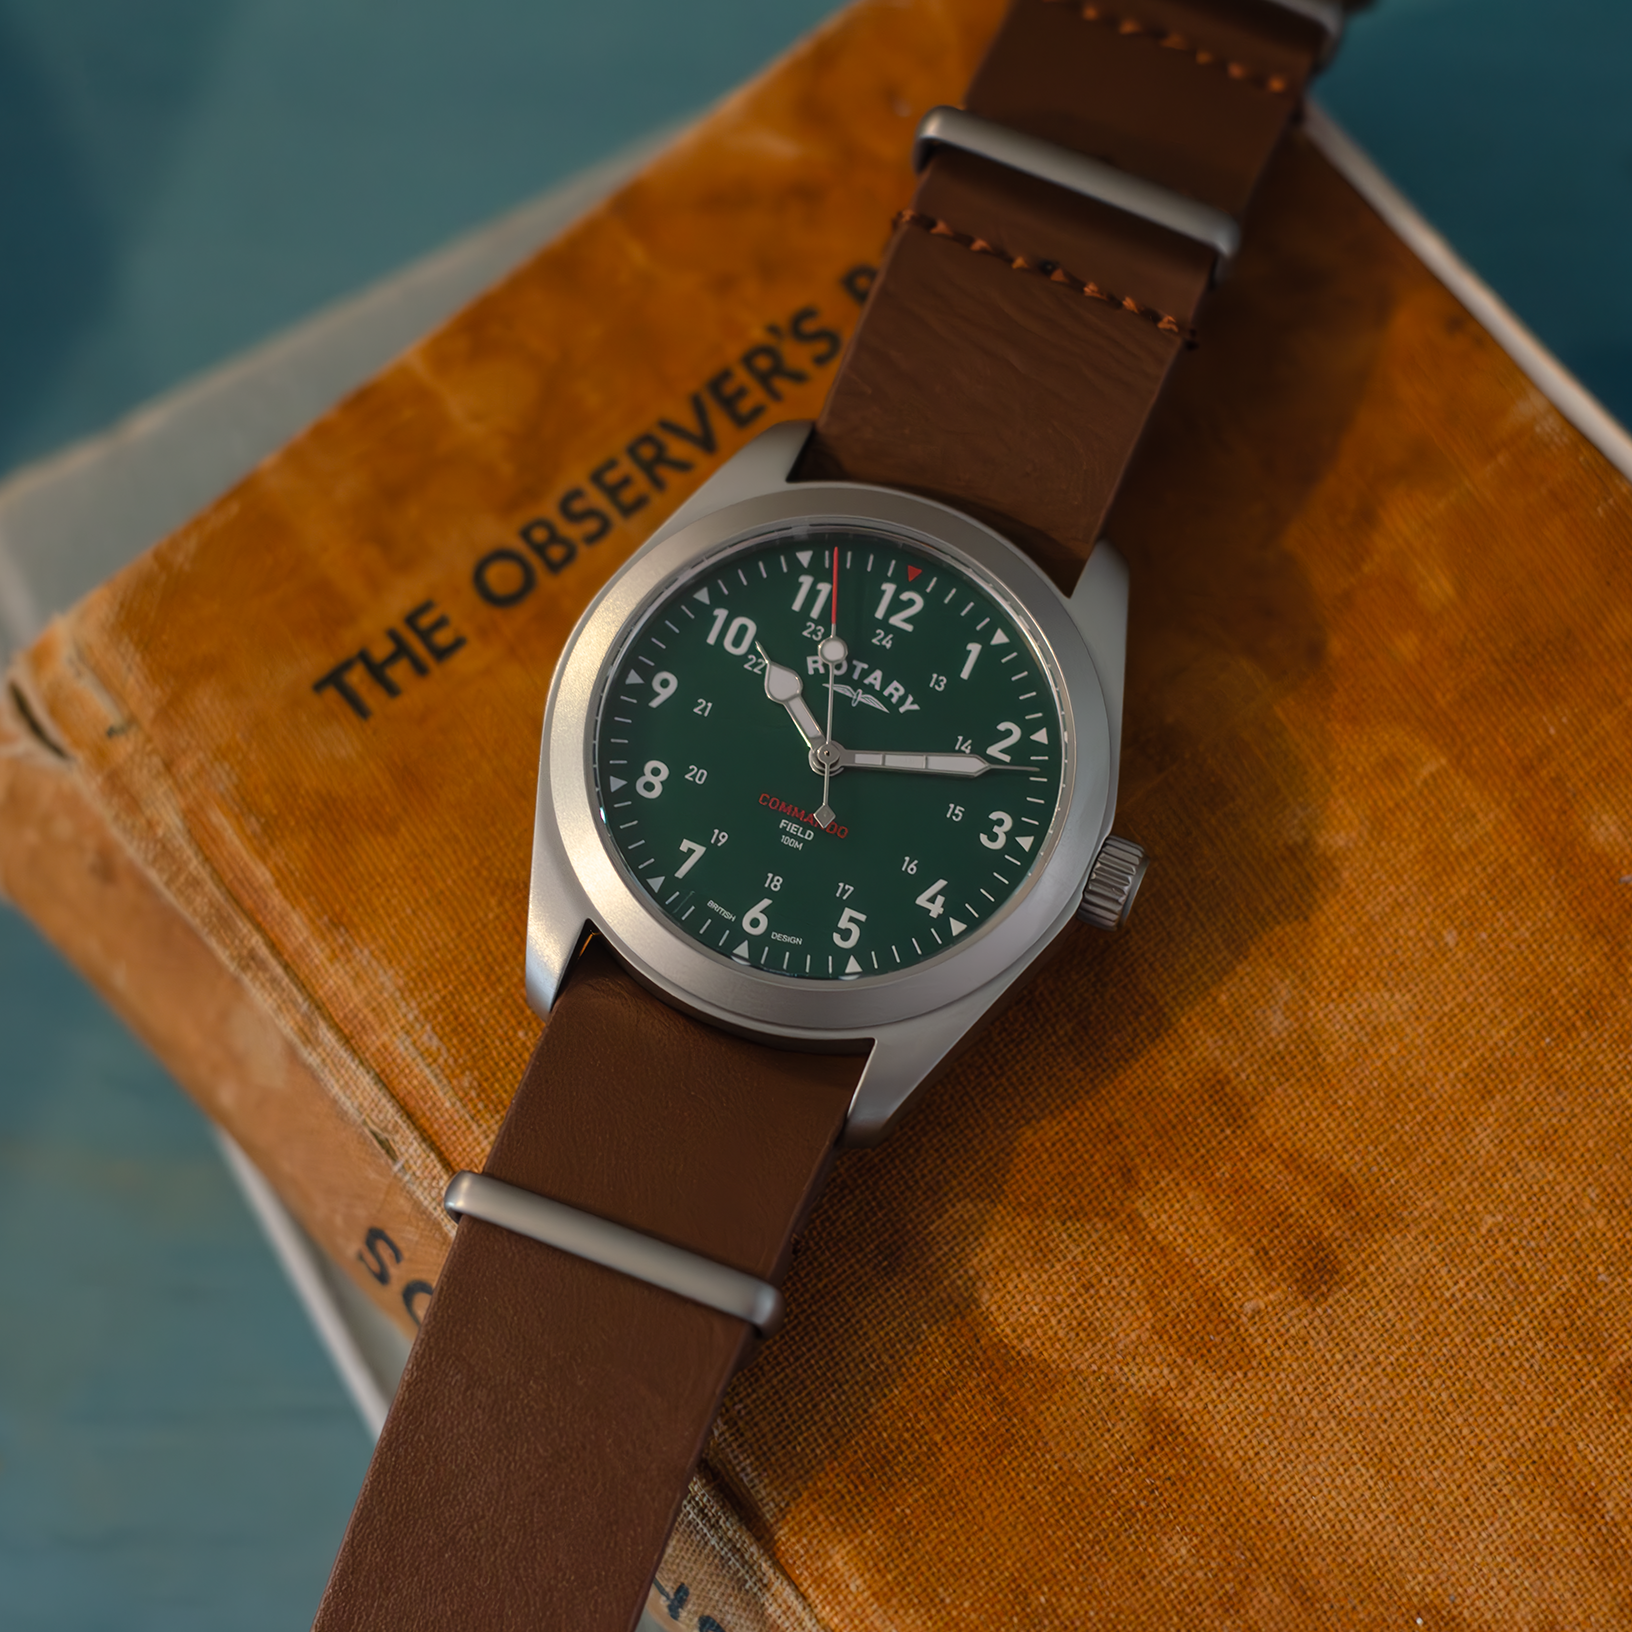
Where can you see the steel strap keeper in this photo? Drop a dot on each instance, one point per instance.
(1077, 173)
(641, 1257)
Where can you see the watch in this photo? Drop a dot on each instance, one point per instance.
(827, 768)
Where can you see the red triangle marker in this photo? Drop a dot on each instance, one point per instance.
(912, 572)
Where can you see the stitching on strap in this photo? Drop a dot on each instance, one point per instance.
(1052, 270)
(1274, 84)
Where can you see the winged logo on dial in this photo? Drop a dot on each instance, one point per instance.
(857, 695)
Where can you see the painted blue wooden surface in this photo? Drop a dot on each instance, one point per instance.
(1509, 125)
(175, 1451)
(199, 173)
(185, 176)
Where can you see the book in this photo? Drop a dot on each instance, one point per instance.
(1263, 1263)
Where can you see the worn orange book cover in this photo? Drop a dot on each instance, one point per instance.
(1266, 1265)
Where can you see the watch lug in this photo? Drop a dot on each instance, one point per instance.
(762, 467)
(911, 1054)
(548, 955)
(904, 1057)
(556, 915)
(1099, 607)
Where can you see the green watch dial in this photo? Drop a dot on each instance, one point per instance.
(830, 754)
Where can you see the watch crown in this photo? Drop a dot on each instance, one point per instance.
(1113, 882)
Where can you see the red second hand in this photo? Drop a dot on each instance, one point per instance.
(825, 814)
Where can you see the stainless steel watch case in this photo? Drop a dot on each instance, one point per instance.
(914, 1019)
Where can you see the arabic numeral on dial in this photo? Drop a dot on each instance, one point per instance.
(720, 835)
(702, 706)
(697, 774)
(773, 881)
(909, 864)
(1001, 822)
(650, 785)
(1000, 748)
(973, 649)
(882, 637)
(694, 852)
(739, 636)
(954, 813)
(663, 684)
(912, 603)
(805, 581)
(937, 682)
(932, 901)
(845, 891)
(966, 745)
(814, 631)
(754, 921)
(849, 930)
(739, 633)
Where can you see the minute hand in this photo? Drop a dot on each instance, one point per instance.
(933, 764)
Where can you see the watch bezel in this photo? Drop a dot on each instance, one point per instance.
(569, 835)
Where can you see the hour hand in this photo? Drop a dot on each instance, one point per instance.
(785, 686)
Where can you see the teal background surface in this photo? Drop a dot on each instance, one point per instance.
(180, 179)
(1509, 125)
(184, 177)
(175, 1450)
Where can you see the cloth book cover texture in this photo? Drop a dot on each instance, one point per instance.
(1266, 1264)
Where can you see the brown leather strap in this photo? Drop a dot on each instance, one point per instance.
(1014, 344)
(1018, 335)
(552, 1411)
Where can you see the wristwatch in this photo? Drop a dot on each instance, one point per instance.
(827, 768)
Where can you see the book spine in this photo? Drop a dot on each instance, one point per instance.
(63, 866)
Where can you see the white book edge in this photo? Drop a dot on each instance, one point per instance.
(368, 1381)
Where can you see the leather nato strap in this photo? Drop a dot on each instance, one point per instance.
(1018, 334)
(1010, 353)
(552, 1411)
